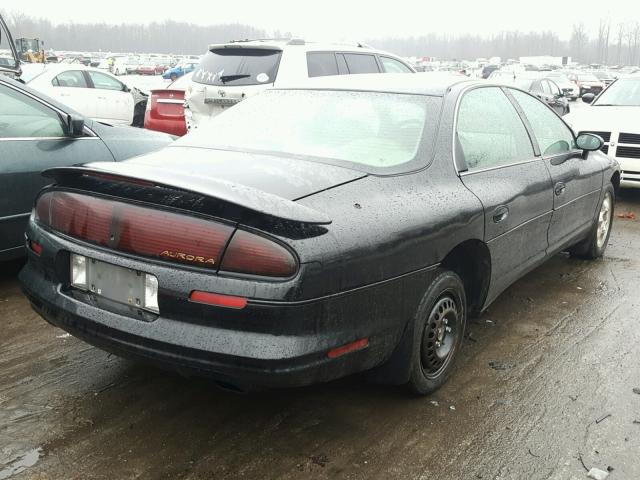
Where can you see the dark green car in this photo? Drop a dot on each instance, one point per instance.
(37, 133)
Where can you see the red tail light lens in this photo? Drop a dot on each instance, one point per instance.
(35, 247)
(134, 229)
(218, 300)
(256, 255)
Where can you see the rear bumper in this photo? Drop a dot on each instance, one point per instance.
(172, 126)
(267, 344)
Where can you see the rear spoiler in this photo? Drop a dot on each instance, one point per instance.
(236, 195)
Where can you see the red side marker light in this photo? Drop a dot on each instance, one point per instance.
(218, 300)
(348, 348)
(36, 247)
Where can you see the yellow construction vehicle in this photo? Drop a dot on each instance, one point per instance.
(31, 50)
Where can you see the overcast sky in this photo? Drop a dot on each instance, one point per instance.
(348, 19)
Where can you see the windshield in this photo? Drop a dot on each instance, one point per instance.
(238, 66)
(368, 131)
(623, 92)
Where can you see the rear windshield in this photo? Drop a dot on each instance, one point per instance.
(238, 66)
(374, 132)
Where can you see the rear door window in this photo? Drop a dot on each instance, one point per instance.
(391, 65)
(238, 66)
(321, 64)
(105, 82)
(361, 63)
(342, 64)
(71, 78)
(490, 132)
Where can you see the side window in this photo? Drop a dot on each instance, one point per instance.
(545, 87)
(71, 78)
(24, 117)
(105, 82)
(320, 64)
(555, 90)
(361, 63)
(391, 65)
(536, 87)
(342, 64)
(490, 130)
(553, 136)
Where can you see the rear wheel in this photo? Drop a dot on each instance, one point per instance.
(439, 329)
(173, 77)
(595, 244)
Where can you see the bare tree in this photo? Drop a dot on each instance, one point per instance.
(579, 41)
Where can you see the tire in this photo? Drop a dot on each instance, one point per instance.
(594, 245)
(440, 322)
(173, 77)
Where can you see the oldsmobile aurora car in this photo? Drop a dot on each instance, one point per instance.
(309, 233)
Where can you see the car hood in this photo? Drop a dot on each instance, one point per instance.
(185, 167)
(605, 119)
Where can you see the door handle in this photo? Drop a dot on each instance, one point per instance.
(559, 188)
(500, 213)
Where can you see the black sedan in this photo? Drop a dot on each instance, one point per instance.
(36, 133)
(308, 233)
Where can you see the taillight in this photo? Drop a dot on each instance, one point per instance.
(151, 101)
(255, 255)
(130, 228)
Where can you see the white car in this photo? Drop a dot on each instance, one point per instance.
(92, 92)
(124, 65)
(614, 116)
(571, 89)
(231, 72)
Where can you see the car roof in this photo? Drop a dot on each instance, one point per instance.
(425, 83)
(282, 44)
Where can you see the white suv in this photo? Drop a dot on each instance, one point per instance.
(230, 72)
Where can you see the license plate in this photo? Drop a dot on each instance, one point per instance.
(119, 284)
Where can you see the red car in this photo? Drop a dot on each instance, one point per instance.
(146, 70)
(165, 108)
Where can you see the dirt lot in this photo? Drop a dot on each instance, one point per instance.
(545, 388)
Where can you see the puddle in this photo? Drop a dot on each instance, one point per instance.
(29, 459)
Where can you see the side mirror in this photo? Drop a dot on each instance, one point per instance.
(75, 125)
(588, 97)
(589, 142)
(126, 89)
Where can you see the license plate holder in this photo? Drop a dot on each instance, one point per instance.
(119, 284)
